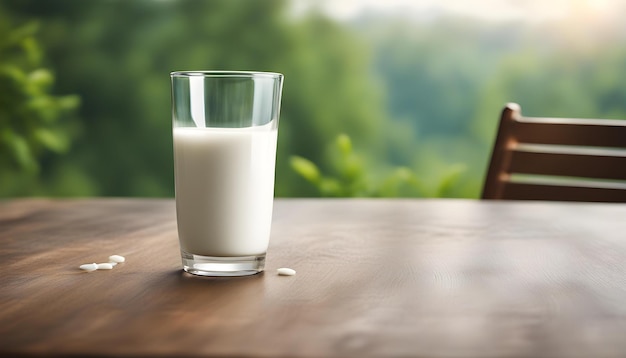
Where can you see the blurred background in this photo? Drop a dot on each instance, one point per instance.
(381, 98)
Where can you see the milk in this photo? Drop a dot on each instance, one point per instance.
(224, 189)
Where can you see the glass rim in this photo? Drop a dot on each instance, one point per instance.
(211, 73)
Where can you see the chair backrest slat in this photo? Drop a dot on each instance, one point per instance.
(569, 165)
(534, 191)
(591, 151)
(566, 131)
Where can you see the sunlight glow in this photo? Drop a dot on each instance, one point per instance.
(493, 10)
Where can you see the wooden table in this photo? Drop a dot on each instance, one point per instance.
(406, 278)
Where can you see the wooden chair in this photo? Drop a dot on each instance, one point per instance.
(564, 159)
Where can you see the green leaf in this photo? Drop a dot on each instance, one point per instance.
(306, 168)
(32, 51)
(402, 182)
(68, 102)
(42, 109)
(14, 73)
(352, 169)
(22, 153)
(41, 79)
(51, 140)
(330, 187)
(344, 143)
(450, 178)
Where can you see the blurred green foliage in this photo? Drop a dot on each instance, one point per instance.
(117, 56)
(377, 107)
(34, 124)
(349, 176)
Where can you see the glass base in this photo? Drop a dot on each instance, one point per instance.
(222, 266)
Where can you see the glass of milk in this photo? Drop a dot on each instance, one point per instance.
(225, 126)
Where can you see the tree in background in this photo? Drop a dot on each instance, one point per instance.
(558, 70)
(35, 125)
(416, 100)
(448, 78)
(117, 56)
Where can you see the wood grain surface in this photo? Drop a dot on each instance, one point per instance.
(375, 278)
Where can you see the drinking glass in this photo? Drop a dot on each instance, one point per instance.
(225, 127)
